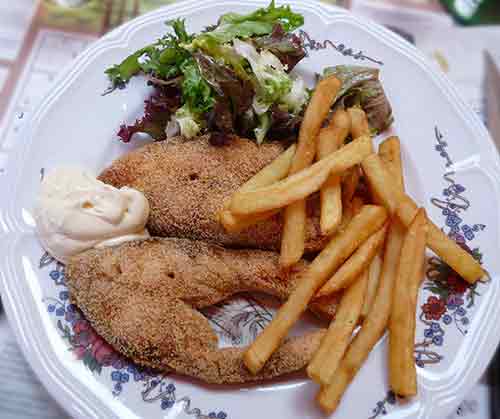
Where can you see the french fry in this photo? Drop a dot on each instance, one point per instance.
(273, 172)
(336, 340)
(390, 153)
(350, 182)
(276, 170)
(373, 279)
(385, 192)
(453, 255)
(402, 370)
(373, 325)
(283, 193)
(329, 140)
(448, 250)
(376, 319)
(303, 183)
(293, 235)
(233, 223)
(406, 210)
(331, 205)
(354, 266)
(316, 112)
(349, 211)
(359, 127)
(365, 223)
(359, 122)
(356, 204)
(294, 216)
(382, 185)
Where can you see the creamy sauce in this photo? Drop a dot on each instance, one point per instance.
(77, 212)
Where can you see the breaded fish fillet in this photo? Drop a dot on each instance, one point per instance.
(142, 297)
(187, 181)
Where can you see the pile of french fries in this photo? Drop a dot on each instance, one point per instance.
(376, 251)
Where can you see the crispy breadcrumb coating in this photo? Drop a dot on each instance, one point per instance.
(142, 297)
(187, 181)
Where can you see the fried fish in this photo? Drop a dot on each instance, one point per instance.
(143, 298)
(187, 181)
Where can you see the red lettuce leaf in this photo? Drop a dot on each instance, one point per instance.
(233, 98)
(284, 125)
(158, 110)
(286, 46)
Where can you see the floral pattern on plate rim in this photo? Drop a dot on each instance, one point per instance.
(99, 357)
(448, 298)
(468, 406)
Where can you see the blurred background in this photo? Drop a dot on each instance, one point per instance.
(38, 38)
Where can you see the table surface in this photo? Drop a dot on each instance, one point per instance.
(33, 49)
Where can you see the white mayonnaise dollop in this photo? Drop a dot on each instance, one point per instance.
(77, 212)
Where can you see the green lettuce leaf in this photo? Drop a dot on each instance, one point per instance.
(351, 76)
(188, 122)
(226, 54)
(225, 82)
(196, 92)
(179, 27)
(361, 87)
(273, 83)
(162, 59)
(261, 130)
(271, 15)
(258, 23)
(286, 46)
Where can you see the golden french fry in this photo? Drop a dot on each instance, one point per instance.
(349, 211)
(329, 140)
(356, 204)
(453, 255)
(402, 370)
(359, 122)
(373, 326)
(331, 205)
(350, 182)
(325, 361)
(385, 192)
(276, 170)
(406, 210)
(341, 121)
(322, 99)
(233, 223)
(354, 266)
(273, 172)
(293, 236)
(294, 217)
(373, 279)
(382, 185)
(365, 223)
(359, 127)
(390, 153)
(283, 193)
(448, 250)
(303, 183)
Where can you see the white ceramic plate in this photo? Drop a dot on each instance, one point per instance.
(451, 167)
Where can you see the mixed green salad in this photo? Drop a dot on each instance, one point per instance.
(236, 78)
